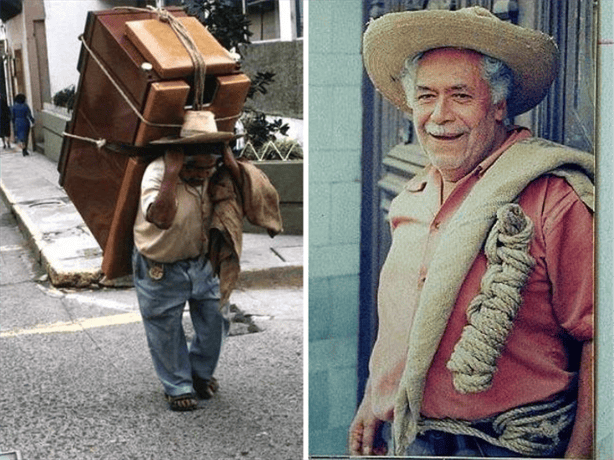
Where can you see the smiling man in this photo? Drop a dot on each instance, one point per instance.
(457, 123)
(485, 301)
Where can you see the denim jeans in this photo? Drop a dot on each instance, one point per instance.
(438, 443)
(162, 304)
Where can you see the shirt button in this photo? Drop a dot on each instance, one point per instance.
(422, 277)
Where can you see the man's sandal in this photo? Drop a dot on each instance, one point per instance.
(205, 388)
(182, 403)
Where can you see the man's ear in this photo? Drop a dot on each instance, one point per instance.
(501, 110)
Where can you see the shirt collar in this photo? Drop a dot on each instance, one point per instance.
(419, 181)
(514, 134)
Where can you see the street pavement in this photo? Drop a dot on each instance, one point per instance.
(76, 377)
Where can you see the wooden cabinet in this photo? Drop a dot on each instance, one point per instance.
(128, 101)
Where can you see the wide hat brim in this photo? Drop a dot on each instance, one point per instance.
(391, 39)
(205, 138)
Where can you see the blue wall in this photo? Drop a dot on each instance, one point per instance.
(335, 119)
(604, 448)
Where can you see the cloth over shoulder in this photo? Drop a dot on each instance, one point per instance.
(257, 200)
(464, 237)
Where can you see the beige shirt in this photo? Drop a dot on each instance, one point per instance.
(188, 235)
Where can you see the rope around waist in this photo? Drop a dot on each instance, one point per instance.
(533, 430)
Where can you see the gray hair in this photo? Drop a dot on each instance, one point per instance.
(496, 73)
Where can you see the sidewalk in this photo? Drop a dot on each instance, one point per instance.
(71, 256)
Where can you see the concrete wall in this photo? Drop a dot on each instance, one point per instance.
(335, 117)
(285, 59)
(54, 121)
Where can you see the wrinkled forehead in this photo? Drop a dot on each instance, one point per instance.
(450, 52)
(450, 58)
(450, 66)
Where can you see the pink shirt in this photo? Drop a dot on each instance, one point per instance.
(558, 297)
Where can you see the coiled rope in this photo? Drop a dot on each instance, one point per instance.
(532, 430)
(492, 312)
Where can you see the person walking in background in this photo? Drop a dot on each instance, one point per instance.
(5, 123)
(22, 121)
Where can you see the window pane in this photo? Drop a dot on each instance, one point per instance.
(264, 19)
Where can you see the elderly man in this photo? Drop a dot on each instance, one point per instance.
(187, 237)
(485, 302)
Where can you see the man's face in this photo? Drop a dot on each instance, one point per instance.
(197, 169)
(455, 121)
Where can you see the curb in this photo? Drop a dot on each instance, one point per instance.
(80, 269)
(290, 276)
(72, 257)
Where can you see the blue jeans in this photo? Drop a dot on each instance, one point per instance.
(162, 303)
(438, 443)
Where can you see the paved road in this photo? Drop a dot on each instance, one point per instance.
(77, 381)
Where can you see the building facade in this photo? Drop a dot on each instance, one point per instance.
(41, 49)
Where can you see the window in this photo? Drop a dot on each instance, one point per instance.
(273, 19)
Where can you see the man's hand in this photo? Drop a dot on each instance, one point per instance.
(364, 430)
(162, 211)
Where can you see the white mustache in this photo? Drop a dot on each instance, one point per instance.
(438, 130)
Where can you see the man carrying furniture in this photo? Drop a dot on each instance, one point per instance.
(187, 236)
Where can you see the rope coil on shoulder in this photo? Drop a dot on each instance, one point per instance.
(492, 312)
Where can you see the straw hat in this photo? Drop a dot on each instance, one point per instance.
(392, 38)
(199, 127)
